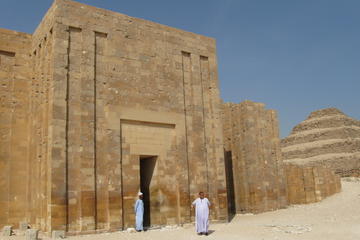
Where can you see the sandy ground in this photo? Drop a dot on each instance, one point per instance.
(335, 218)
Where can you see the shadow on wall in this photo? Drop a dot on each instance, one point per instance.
(230, 185)
(147, 166)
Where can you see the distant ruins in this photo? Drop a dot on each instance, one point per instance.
(96, 105)
(327, 138)
(262, 181)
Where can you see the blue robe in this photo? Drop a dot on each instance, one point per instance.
(139, 214)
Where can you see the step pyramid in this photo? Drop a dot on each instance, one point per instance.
(328, 138)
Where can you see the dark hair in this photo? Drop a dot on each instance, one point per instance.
(201, 193)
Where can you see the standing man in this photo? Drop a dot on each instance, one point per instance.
(139, 212)
(202, 205)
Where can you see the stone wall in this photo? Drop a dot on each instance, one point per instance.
(310, 184)
(108, 92)
(26, 78)
(15, 78)
(326, 138)
(251, 138)
(261, 181)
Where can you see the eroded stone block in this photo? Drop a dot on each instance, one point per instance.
(7, 231)
(31, 234)
(23, 226)
(58, 234)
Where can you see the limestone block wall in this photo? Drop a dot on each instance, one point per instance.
(251, 140)
(326, 138)
(15, 83)
(134, 89)
(42, 57)
(26, 76)
(310, 184)
(105, 93)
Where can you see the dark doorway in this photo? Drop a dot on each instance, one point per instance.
(147, 166)
(230, 184)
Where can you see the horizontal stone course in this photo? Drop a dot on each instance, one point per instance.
(319, 134)
(315, 148)
(325, 122)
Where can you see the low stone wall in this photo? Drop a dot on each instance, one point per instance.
(310, 184)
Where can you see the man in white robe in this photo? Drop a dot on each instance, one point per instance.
(139, 213)
(201, 205)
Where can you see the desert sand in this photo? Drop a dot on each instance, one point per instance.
(335, 218)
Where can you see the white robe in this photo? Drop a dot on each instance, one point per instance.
(201, 214)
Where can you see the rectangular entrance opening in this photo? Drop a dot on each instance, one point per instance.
(147, 166)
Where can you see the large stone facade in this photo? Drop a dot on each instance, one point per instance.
(95, 106)
(326, 138)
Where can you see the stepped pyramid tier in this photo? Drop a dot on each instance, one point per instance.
(327, 137)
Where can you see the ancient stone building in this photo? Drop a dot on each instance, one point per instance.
(327, 138)
(252, 147)
(97, 105)
(257, 178)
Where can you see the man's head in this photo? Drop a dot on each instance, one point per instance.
(140, 194)
(201, 195)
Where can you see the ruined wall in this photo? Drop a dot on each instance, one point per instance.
(15, 79)
(251, 139)
(310, 184)
(326, 138)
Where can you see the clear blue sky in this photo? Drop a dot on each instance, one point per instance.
(295, 56)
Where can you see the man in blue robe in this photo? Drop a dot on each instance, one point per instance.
(139, 213)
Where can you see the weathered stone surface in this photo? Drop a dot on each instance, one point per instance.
(58, 234)
(89, 101)
(15, 76)
(23, 226)
(310, 184)
(327, 138)
(31, 234)
(251, 138)
(261, 181)
(7, 231)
